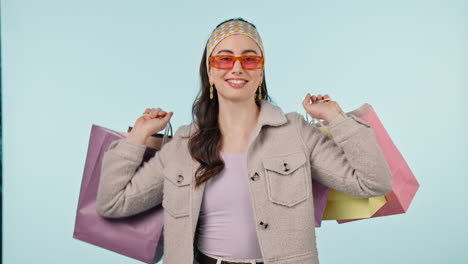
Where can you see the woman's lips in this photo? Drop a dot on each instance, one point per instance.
(236, 84)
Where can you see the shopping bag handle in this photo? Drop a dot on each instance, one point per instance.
(166, 133)
(316, 121)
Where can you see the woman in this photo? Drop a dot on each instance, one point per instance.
(236, 183)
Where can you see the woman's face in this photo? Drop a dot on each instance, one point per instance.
(236, 45)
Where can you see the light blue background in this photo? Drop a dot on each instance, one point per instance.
(70, 64)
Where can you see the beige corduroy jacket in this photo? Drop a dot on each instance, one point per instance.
(351, 162)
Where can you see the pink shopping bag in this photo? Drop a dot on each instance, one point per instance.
(405, 184)
(139, 236)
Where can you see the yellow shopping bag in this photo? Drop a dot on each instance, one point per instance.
(342, 206)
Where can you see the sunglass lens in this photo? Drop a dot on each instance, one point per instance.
(224, 62)
(251, 62)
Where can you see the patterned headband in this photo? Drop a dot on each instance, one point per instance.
(231, 28)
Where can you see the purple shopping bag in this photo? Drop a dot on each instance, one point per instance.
(320, 193)
(139, 236)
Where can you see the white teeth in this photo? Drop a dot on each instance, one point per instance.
(236, 81)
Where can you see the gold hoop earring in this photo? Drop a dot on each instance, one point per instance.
(211, 91)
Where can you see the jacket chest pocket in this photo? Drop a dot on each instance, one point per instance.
(176, 198)
(286, 178)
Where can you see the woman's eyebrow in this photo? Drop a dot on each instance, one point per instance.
(230, 51)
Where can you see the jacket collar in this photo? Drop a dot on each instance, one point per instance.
(270, 114)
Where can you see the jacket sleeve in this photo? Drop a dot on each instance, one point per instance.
(125, 187)
(352, 162)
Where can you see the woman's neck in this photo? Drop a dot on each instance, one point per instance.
(237, 120)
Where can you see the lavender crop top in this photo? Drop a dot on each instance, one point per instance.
(226, 222)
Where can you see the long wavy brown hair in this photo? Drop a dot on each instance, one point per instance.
(205, 143)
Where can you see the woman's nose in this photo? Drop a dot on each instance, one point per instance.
(237, 66)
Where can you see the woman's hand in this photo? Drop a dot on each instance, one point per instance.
(152, 121)
(327, 110)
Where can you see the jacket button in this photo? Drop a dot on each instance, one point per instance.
(285, 167)
(180, 178)
(264, 224)
(255, 176)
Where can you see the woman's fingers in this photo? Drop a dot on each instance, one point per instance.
(306, 100)
(169, 115)
(153, 112)
(316, 98)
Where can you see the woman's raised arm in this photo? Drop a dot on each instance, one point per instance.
(352, 162)
(125, 188)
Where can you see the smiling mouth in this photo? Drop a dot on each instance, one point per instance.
(236, 80)
(236, 83)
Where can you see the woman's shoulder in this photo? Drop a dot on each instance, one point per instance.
(185, 130)
(294, 117)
